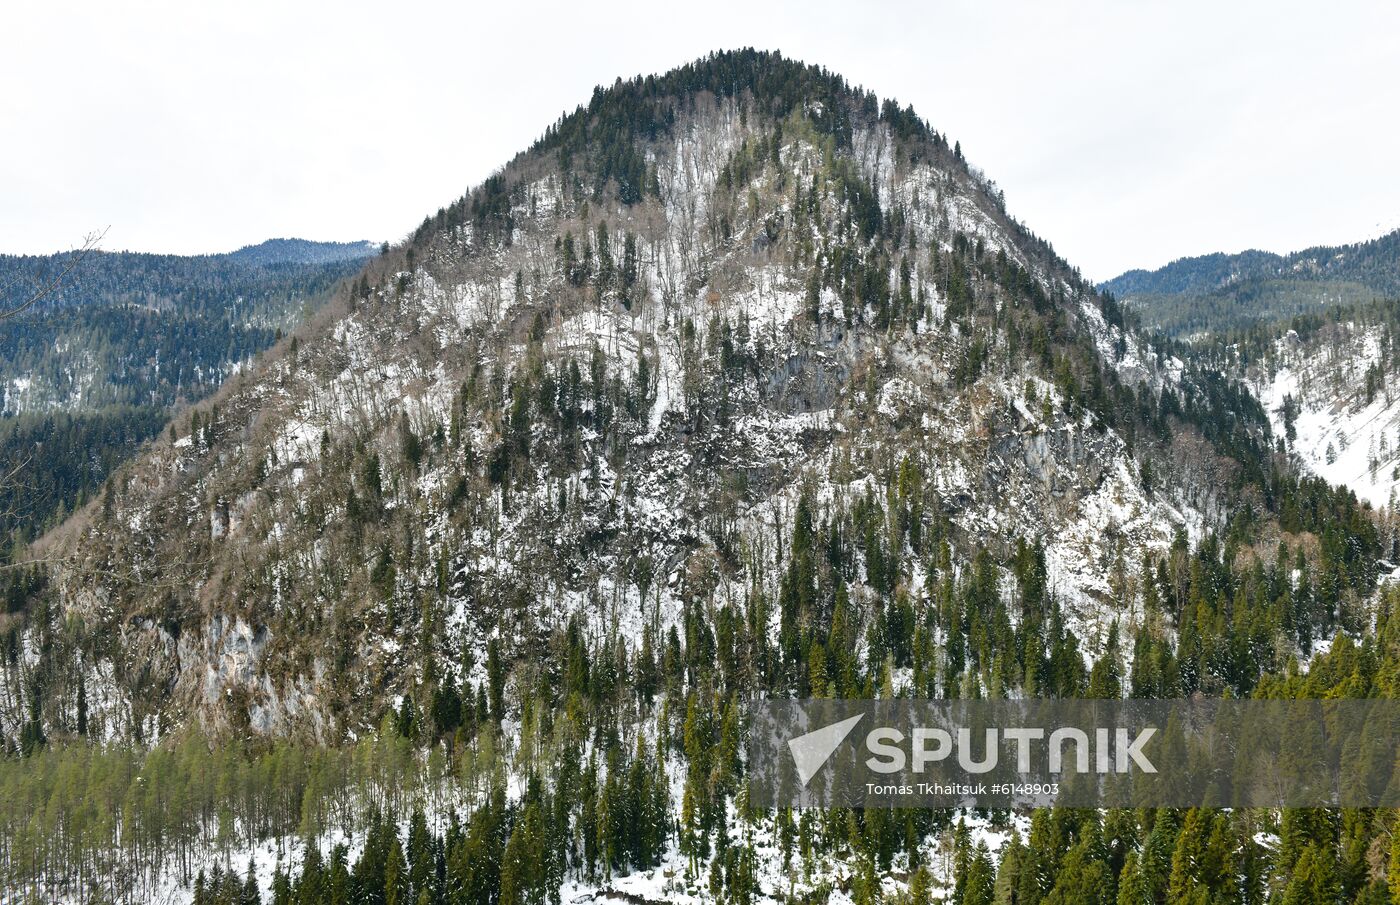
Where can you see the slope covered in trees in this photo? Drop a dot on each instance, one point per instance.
(1326, 380)
(302, 251)
(145, 329)
(1221, 292)
(96, 367)
(619, 771)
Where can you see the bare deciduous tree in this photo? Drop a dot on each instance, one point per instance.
(45, 285)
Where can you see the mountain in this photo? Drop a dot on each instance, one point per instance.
(98, 365)
(302, 251)
(1221, 292)
(739, 383)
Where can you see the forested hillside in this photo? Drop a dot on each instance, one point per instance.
(141, 329)
(1220, 292)
(302, 251)
(96, 367)
(740, 383)
(1327, 381)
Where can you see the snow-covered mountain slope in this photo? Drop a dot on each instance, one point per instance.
(1329, 395)
(614, 383)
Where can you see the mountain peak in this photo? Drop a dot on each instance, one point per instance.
(645, 106)
(710, 317)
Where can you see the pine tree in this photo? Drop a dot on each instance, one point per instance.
(1314, 881)
(249, 894)
(1105, 679)
(980, 885)
(1133, 888)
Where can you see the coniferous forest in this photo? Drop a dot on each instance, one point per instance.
(1224, 292)
(121, 342)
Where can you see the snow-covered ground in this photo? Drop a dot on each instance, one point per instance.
(671, 881)
(1339, 434)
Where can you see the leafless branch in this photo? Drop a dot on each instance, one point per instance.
(44, 287)
(10, 478)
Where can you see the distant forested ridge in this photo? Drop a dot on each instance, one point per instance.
(1219, 292)
(92, 370)
(128, 328)
(302, 251)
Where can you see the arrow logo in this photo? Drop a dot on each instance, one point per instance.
(810, 752)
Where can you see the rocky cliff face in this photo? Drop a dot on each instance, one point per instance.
(596, 390)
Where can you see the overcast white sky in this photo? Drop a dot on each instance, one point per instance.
(1127, 133)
